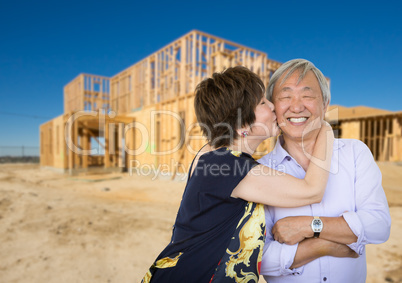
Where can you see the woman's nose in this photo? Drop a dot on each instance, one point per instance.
(271, 105)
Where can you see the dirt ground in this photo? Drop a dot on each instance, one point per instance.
(110, 228)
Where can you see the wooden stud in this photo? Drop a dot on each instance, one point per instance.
(375, 139)
(370, 136)
(395, 138)
(85, 147)
(363, 127)
(120, 154)
(107, 145)
(381, 138)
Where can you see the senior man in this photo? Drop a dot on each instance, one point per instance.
(323, 242)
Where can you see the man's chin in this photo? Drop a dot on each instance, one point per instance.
(292, 137)
(295, 133)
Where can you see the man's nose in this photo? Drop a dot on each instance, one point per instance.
(296, 105)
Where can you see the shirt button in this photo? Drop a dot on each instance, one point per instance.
(325, 279)
(288, 158)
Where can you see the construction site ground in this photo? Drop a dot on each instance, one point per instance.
(110, 228)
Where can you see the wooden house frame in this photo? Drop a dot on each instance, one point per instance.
(143, 117)
(148, 111)
(380, 130)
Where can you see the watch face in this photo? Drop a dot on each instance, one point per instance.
(317, 225)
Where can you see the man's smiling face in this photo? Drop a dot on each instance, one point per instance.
(298, 103)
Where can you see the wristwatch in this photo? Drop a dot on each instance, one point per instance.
(317, 226)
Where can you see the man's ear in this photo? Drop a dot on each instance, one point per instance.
(326, 107)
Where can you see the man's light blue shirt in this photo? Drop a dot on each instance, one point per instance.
(354, 191)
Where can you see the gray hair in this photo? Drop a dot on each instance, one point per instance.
(303, 66)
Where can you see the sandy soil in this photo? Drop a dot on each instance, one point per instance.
(110, 228)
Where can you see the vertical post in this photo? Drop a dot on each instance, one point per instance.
(375, 136)
(112, 143)
(75, 139)
(199, 61)
(395, 139)
(157, 73)
(132, 143)
(193, 65)
(363, 126)
(85, 147)
(147, 81)
(81, 94)
(208, 57)
(176, 131)
(183, 62)
(370, 136)
(386, 141)
(381, 137)
(120, 145)
(70, 150)
(389, 139)
(107, 156)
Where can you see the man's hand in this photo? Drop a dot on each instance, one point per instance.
(292, 230)
(340, 250)
(311, 249)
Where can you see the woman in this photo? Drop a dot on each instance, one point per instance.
(219, 231)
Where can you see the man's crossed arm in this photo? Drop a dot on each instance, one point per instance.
(333, 239)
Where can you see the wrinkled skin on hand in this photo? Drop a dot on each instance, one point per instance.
(292, 230)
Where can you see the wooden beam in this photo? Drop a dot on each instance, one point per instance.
(375, 136)
(112, 143)
(120, 158)
(95, 137)
(76, 135)
(370, 136)
(107, 140)
(363, 126)
(385, 153)
(395, 138)
(85, 147)
(70, 150)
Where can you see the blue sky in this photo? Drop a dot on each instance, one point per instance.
(45, 44)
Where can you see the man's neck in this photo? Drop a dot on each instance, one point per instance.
(298, 147)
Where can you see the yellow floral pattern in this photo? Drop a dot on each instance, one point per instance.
(234, 152)
(248, 241)
(165, 262)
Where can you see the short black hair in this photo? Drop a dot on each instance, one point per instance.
(226, 102)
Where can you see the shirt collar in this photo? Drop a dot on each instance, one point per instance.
(279, 154)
